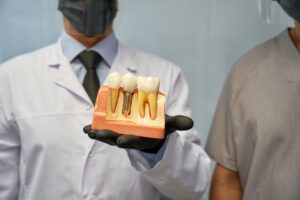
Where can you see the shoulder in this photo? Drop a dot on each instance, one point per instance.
(24, 71)
(146, 61)
(26, 63)
(253, 65)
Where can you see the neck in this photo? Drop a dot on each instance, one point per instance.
(295, 35)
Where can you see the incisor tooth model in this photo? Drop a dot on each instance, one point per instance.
(114, 82)
(129, 84)
(147, 93)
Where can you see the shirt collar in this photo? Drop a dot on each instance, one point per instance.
(107, 48)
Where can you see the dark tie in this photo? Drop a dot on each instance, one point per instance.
(90, 59)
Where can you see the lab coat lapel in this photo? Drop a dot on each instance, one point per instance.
(124, 61)
(65, 77)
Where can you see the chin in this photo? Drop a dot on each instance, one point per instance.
(93, 36)
(90, 36)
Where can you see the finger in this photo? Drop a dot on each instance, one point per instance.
(128, 141)
(106, 136)
(135, 142)
(179, 122)
(87, 128)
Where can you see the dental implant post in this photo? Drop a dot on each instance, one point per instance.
(129, 82)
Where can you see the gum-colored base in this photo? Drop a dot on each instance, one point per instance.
(132, 124)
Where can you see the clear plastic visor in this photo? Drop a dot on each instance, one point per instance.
(272, 13)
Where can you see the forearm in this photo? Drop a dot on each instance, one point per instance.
(9, 158)
(226, 185)
(183, 172)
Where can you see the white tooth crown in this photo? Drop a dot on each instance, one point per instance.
(114, 80)
(141, 83)
(152, 84)
(148, 84)
(147, 93)
(129, 82)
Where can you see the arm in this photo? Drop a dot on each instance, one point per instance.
(183, 171)
(221, 145)
(9, 152)
(179, 169)
(225, 185)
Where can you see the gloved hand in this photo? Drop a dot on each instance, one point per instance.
(148, 145)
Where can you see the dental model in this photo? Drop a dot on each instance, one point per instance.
(114, 82)
(131, 105)
(129, 84)
(147, 93)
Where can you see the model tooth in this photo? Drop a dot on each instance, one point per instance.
(152, 90)
(114, 82)
(148, 92)
(142, 96)
(129, 84)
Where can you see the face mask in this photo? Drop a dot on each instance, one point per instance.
(291, 7)
(89, 17)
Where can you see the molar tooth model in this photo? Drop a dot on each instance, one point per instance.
(131, 105)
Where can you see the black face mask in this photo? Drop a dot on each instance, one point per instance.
(291, 7)
(89, 17)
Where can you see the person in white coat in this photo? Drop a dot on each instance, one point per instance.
(44, 153)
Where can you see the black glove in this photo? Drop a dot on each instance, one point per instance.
(148, 145)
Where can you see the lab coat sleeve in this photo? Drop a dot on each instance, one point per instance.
(151, 158)
(183, 172)
(9, 151)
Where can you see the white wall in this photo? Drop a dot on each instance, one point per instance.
(204, 37)
(26, 25)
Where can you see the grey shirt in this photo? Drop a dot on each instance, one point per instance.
(256, 128)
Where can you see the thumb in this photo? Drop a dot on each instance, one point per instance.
(179, 122)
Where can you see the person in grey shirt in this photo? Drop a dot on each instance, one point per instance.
(255, 136)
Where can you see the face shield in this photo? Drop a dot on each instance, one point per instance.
(273, 13)
(88, 17)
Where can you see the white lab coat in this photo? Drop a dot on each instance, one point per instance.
(44, 153)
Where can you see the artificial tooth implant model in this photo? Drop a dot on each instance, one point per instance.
(129, 84)
(114, 82)
(147, 93)
(131, 105)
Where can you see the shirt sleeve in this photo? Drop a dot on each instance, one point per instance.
(9, 154)
(221, 142)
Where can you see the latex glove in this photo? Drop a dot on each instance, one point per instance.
(144, 144)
